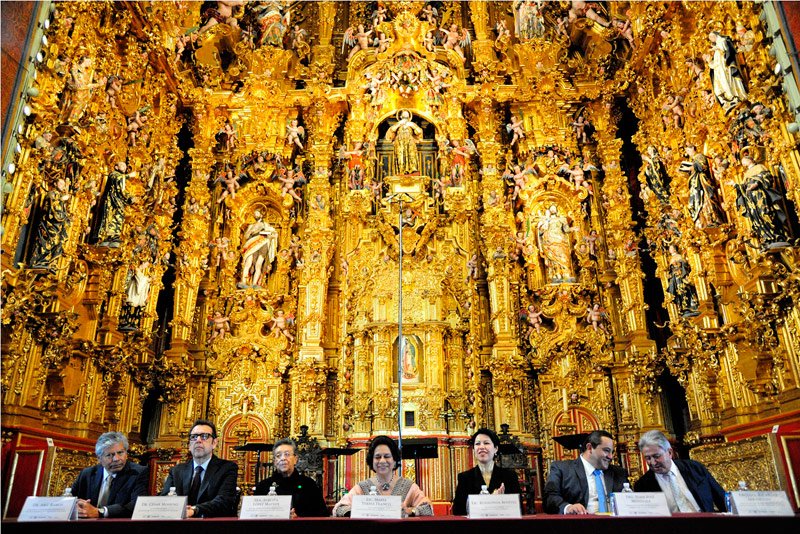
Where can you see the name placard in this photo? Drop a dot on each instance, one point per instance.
(489, 506)
(48, 509)
(642, 504)
(760, 503)
(377, 507)
(266, 507)
(161, 507)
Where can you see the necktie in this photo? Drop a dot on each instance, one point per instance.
(102, 498)
(194, 489)
(681, 502)
(601, 491)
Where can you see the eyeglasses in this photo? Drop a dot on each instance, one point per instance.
(205, 436)
(285, 454)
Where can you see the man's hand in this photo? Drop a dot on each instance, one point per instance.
(86, 510)
(575, 509)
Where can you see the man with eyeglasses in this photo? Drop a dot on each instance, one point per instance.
(688, 485)
(307, 499)
(583, 486)
(207, 480)
(110, 489)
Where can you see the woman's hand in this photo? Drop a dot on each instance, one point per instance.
(501, 490)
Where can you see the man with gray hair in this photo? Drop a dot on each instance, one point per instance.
(307, 500)
(687, 484)
(110, 489)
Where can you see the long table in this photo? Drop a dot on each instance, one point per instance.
(540, 524)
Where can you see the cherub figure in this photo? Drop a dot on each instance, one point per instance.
(517, 176)
(227, 136)
(231, 181)
(357, 38)
(429, 14)
(429, 41)
(519, 246)
(455, 39)
(289, 181)
(113, 89)
(624, 29)
(222, 245)
(221, 325)
(299, 42)
(279, 326)
(580, 125)
(472, 268)
(379, 15)
(135, 123)
(673, 111)
(534, 317)
(515, 127)
(294, 134)
(382, 42)
(595, 316)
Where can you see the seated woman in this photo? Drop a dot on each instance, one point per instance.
(485, 444)
(383, 457)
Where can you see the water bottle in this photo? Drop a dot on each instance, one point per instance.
(743, 485)
(626, 488)
(172, 492)
(67, 492)
(484, 489)
(612, 502)
(272, 489)
(373, 490)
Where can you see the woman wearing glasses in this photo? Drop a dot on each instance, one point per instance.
(208, 481)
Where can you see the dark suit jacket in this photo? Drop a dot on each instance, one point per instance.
(567, 484)
(470, 482)
(307, 499)
(706, 490)
(129, 483)
(217, 497)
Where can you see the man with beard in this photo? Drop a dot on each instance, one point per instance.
(207, 480)
(307, 500)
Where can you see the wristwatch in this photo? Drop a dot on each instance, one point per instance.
(194, 511)
(103, 511)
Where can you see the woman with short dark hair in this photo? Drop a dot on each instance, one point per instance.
(383, 458)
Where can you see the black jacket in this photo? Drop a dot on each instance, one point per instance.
(307, 499)
(470, 482)
(567, 484)
(128, 484)
(706, 490)
(217, 497)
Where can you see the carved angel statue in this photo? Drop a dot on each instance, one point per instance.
(221, 325)
(456, 40)
(356, 38)
(382, 42)
(596, 316)
(294, 134)
(429, 14)
(299, 42)
(461, 151)
(515, 128)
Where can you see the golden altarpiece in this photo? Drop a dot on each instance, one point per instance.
(583, 212)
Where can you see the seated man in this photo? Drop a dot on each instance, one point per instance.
(583, 485)
(687, 484)
(208, 481)
(110, 489)
(307, 500)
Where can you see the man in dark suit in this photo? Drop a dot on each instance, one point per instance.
(687, 484)
(307, 499)
(582, 486)
(207, 480)
(110, 489)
